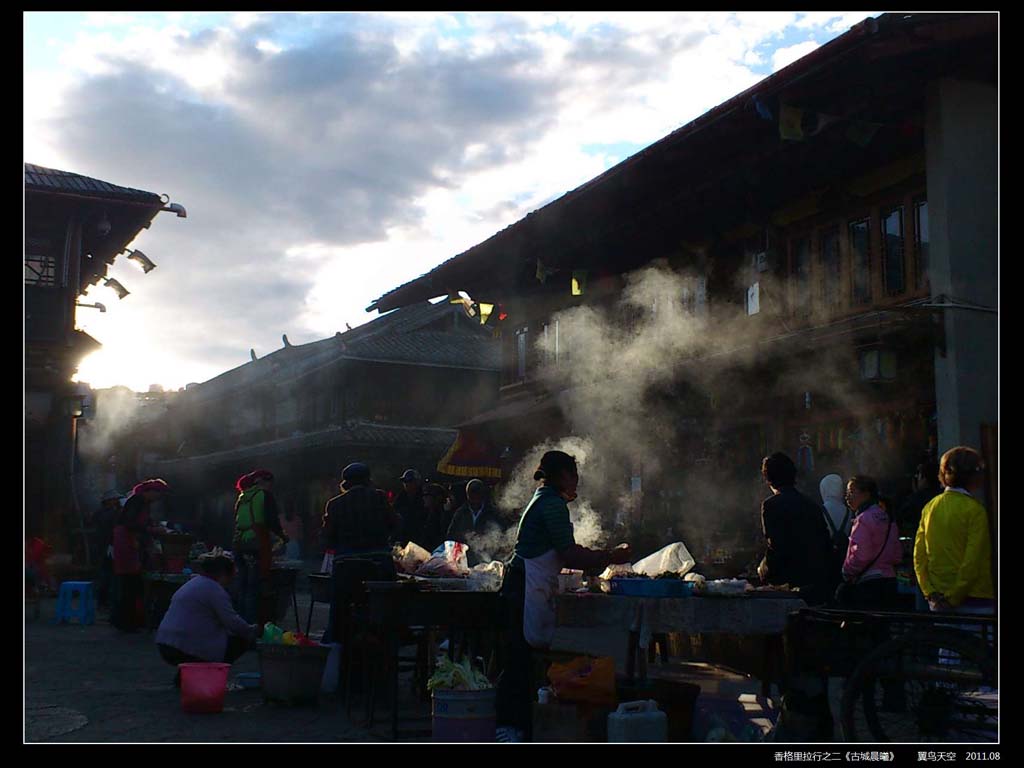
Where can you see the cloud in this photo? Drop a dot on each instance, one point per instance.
(785, 56)
(325, 158)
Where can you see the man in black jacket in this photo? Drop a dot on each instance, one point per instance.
(798, 554)
(409, 507)
(475, 518)
(797, 537)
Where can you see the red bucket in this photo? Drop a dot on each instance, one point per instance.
(203, 686)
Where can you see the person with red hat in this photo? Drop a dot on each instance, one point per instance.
(256, 518)
(131, 539)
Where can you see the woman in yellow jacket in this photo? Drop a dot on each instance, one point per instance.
(952, 554)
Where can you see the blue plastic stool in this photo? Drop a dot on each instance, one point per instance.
(86, 611)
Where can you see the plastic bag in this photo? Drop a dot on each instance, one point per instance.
(273, 634)
(329, 682)
(454, 553)
(585, 680)
(675, 557)
(410, 557)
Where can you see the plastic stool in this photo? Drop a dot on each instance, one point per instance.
(86, 611)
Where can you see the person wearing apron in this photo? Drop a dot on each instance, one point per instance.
(544, 545)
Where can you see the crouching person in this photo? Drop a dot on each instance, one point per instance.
(201, 624)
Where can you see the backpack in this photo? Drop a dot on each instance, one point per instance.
(840, 543)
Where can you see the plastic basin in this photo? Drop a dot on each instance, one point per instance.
(651, 587)
(248, 680)
(292, 673)
(203, 686)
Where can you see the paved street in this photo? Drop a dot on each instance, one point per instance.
(95, 684)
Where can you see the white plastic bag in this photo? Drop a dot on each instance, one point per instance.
(455, 553)
(675, 558)
(447, 561)
(329, 683)
(411, 557)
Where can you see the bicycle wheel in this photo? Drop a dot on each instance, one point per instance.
(922, 687)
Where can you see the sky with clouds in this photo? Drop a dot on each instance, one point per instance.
(326, 158)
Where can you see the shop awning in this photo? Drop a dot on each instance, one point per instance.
(471, 456)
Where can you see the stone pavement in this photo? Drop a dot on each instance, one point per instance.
(95, 684)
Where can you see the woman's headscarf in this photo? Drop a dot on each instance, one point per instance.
(155, 484)
(247, 481)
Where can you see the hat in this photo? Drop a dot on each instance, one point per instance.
(410, 475)
(155, 484)
(356, 471)
(476, 485)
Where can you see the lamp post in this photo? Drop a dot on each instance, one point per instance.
(74, 407)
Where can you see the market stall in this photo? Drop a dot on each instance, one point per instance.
(471, 619)
(622, 626)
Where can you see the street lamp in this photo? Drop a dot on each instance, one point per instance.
(119, 289)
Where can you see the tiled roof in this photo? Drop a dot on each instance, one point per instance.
(456, 350)
(355, 434)
(43, 179)
(390, 338)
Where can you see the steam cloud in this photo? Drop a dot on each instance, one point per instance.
(619, 372)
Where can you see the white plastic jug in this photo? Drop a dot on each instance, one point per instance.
(638, 721)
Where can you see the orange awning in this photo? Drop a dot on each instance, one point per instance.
(470, 456)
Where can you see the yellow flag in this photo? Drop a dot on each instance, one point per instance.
(790, 119)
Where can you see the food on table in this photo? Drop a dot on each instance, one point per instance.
(440, 567)
(616, 570)
(459, 676)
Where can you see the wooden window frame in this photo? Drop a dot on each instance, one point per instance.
(921, 279)
(884, 211)
(796, 309)
(837, 304)
(852, 219)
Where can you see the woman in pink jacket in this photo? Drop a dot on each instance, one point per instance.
(869, 571)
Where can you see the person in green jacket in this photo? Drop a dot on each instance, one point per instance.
(256, 518)
(952, 551)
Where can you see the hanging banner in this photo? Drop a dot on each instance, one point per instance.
(790, 120)
(543, 272)
(579, 281)
(470, 456)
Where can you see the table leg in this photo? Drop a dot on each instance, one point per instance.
(395, 649)
(632, 648)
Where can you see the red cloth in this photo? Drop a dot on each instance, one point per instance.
(127, 552)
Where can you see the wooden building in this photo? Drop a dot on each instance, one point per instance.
(837, 226)
(75, 227)
(386, 393)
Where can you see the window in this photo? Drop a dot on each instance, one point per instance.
(40, 270)
(694, 296)
(831, 268)
(921, 241)
(521, 335)
(802, 276)
(860, 248)
(893, 269)
(754, 299)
